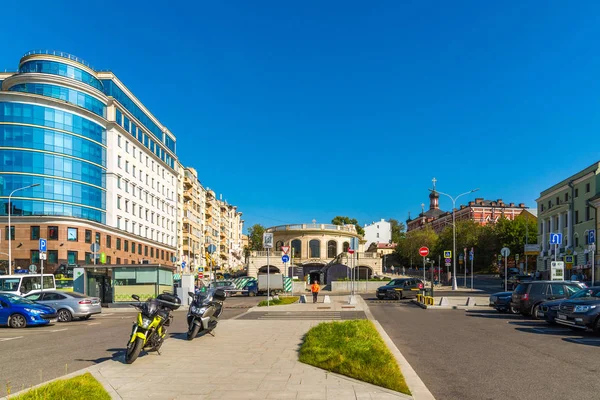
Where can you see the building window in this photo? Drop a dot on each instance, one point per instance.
(140, 249)
(52, 256)
(126, 166)
(146, 251)
(119, 182)
(377, 235)
(119, 202)
(88, 236)
(576, 241)
(346, 247)
(108, 241)
(576, 192)
(576, 216)
(35, 256)
(118, 261)
(72, 234)
(35, 232)
(119, 161)
(126, 247)
(52, 233)
(587, 212)
(557, 200)
(151, 251)
(331, 249)
(119, 139)
(118, 244)
(314, 247)
(587, 187)
(162, 254)
(108, 260)
(567, 196)
(97, 237)
(72, 258)
(88, 258)
(133, 247)
(278, 245)
(549, 203)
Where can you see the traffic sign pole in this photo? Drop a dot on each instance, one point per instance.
(472, 272)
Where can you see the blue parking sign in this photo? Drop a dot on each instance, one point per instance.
(591, 236)
(42, 245)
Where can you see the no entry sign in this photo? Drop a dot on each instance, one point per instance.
(424, 251)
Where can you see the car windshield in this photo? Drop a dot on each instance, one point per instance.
(589, 292)
(17, 300)
(9, 284)
(521, 289)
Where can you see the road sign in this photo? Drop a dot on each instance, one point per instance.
(423, 251)
(447, 254)
(32, 268)
(448, 264)
(183, 264)
(95, 247)
(200, 275)
(43, 255)
(556, 238)
(448, 260)
(285, 258)
(569, 259)
(516, 257)
(211, 248)
(505, 252)
(285, 249)
(267, 240)
(103, 258)
(557, 271)
(350, 251)
(592, 236)
(42, 245)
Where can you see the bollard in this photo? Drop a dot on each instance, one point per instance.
(470, 301)
(444, 302)
(326, 299)
(302, 299)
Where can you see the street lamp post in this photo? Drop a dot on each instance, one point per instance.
(454, 286)
(9, 230)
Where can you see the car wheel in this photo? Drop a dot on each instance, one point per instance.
(380, 297)
(534, 311)
(64, 315)
(17, 321)
(596, 326)
(399, 296)
(251, 294)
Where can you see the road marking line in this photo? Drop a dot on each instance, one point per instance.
(10, 338)
(93, 323)
(58, 330)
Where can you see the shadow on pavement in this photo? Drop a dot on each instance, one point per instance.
(586, 341)
(492, 315)
(548, 331)
(117, 354)
(538, 324)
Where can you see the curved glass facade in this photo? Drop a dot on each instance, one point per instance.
(68, 166)
(62, 93)
(51, 118)
(57, 68)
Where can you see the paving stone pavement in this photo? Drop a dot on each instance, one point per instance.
(246, 359)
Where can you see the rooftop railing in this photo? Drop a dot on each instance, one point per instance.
(326, 227)
(59, 54)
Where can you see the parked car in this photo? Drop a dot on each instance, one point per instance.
(528, 296)
(511, 271)
(400, 288)
(69, 305)
(18, 312)
(582, 312)
(227, 286)
(513, 281)
(501, 302)
(549, 309)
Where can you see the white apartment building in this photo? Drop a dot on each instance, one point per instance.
(378, 232)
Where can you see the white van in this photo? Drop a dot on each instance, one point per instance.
(23, 284)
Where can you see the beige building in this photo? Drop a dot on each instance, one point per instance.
(318, 252)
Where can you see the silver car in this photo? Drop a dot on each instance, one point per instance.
(68, 305)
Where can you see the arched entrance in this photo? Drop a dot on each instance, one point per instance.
(363, 272)
(271, 270)
(314, 272)
(336, 272)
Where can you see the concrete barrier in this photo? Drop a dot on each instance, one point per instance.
(359, 287)
(444, 302)
(302, 299)
(470, 301)
(326, 299)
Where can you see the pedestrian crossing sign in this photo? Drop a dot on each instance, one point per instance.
(447, 254)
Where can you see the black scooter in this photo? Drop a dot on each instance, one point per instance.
(204, 312)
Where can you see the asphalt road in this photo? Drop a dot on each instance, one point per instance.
(37, 354)
(470, 355)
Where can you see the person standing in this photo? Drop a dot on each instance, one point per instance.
(314, 288)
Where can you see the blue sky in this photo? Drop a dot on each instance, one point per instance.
(297, 110)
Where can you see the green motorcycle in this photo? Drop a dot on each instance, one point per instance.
(149, 331)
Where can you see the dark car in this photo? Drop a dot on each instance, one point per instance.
(511, 271)
(513, 281)
(400, 288)
(549, 309)
(528, 296)
(501, 302)
(582, 312)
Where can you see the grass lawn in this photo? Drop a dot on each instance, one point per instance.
(355, 349)
(282, 301)
(80, 387)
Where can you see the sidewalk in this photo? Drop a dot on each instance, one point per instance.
(245, 360)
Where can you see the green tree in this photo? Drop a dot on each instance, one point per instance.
(408, 248)
(398, 230)
(255, 237)
(339, 220)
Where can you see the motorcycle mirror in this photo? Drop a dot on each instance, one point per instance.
(135, 297)
(191, 294)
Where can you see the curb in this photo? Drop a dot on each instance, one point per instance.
(418, 303)
(94, 370)
(415, 384)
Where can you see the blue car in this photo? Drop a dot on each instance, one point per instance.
(18, 312)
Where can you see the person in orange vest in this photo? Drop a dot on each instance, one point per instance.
(314, 288)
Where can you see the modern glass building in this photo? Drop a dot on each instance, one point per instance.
(103, 166)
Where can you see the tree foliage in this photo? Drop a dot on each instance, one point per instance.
(339, 220)
(255, 237)
(408, 248)
(398, 230)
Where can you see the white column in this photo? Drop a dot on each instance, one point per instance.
(560, 223)
(544, 236)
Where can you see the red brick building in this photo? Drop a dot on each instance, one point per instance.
(480, 210)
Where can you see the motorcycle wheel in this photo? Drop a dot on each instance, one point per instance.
(133, 350)
(191, 334)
